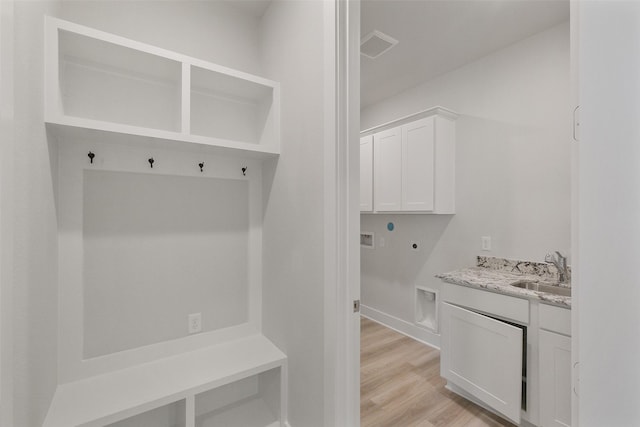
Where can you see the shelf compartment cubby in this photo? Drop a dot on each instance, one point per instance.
(99, 80)
(251, 402)
(172, 415)
(227, 107)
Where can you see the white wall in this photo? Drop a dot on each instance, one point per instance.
(609, 211)
(35, 231)
(293, 281)
(209, 30)
(512, 171)
(157, 248)
(6, 210)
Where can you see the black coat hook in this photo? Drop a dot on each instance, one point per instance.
(201, 164)
(151, 162)
(244, 171)
(91, 156)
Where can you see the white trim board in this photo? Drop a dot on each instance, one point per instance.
(445, 112)
(401, 326)
(342, 214)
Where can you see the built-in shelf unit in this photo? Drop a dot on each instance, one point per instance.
(160, 154)
(103, 82)
(248, 371)
(408, 165)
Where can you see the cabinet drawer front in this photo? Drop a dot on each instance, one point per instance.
(555, 319)
(511, 308)
(483, 356)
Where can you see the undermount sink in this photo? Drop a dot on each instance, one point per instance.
(541, 287)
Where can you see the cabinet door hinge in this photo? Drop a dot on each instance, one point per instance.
(356, 306)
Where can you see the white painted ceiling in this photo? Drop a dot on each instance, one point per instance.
(437, 36)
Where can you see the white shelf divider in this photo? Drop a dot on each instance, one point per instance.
(118, 395)
(190, 411)
(186, 98)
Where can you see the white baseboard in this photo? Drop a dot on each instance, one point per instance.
(402, 326)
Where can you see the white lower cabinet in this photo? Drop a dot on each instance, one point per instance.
(483, 356)
(508, 354)
(555, 374)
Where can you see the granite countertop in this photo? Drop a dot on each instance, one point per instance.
(497, 276)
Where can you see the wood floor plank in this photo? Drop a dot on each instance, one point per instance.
(400, 385)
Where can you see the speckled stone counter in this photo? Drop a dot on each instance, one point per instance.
(497, 275)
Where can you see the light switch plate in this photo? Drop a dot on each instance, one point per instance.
(486, 243)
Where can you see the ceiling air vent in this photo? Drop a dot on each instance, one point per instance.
(376, 43)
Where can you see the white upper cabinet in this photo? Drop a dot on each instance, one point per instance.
(387, 170)
(100, 82)
(418, 165)
(414, 163)
(366, 174)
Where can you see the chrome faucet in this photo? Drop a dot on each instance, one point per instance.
(560, 262)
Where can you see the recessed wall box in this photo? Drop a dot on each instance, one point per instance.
(367, 240)
(427, 308)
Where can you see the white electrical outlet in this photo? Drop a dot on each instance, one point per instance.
(486, 243)
(195, 323)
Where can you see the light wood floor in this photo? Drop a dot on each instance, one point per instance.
(400, 385)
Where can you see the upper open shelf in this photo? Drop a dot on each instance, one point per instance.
(96, 81)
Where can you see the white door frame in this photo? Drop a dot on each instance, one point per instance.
(6, 209)
(342, 213)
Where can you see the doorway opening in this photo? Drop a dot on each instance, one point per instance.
(503, 68)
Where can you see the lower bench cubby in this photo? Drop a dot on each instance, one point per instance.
(252, 402)
(240, 383)
(172, 415)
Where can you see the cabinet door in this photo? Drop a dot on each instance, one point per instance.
(483, 356)
(418, 165)
(366, 174)
(387, 171)
(555, 379)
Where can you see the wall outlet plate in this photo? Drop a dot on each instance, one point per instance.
(195, 323)
(486, 243)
